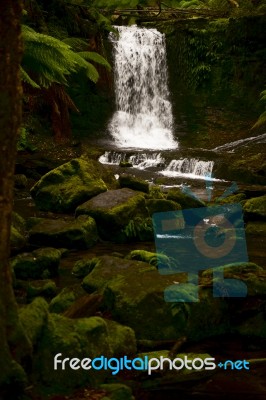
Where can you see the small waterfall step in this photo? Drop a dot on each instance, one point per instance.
(191, 168)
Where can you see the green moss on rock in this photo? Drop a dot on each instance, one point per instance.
(80, 233)
(183, 199)
(131, 182)
(255, 208)
(161, 205)
(84, 267)
(65, 187)
(36, 264)
(113, 210)
(34, 318)
(65, 299)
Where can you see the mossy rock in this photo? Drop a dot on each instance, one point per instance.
(234, 198)
(252, 275)
(154, 259)
(79, 338)
(256, 228)
(80, 233)
(64, 188)
(139, 229)
(83, 267)
(65, 299)
(38, 264)
(34, 318)
(131, 182)
(161, 205)
(133, 291)
(18, 232)
(184, 199)
(255, 209)
(113, 210)
(44, 288)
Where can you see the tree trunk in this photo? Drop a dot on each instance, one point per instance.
(13, 343)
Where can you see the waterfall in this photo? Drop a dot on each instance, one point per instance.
(138, 160)
(190, 168)
(144, 113)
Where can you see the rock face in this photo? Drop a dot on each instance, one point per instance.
(38, 264)
(255, 208)
(113, 210)
(64, 188)
(80, 233)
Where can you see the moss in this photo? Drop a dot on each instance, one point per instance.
(20, 181)
(140, 229)
(161, 205)
(234, 198)
(65, 299)
(255, 208)
(122, 339)
(84, 267)
(65, 187)
(154, 259)
(134, 183)
(45, 288)
(256, 228)
(183, 199)
(113, 210)
(33, 265)
(80, 233)
(33, 318)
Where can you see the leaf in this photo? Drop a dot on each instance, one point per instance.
(26, 78)
(261, 121)
(93, 56)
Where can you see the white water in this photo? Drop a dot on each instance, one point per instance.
(144, 113)
(189, 168)
(138, 160)
(241, 142)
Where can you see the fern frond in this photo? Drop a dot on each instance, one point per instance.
(261, 121)
(27, 79)
(96, 57)
(76, 44)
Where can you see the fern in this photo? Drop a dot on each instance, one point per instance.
(48, 60)
(262, 118)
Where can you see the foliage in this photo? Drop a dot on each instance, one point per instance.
(47, 60)
(139, 228)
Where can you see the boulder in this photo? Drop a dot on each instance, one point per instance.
(79, 233)
(131, 182)
(65, 187)
(83, 267)
(161, 205)
(44, 287)
(167, 307)
(41, 263)
(113, 210)
(255, 208)
(20, 181)
(184, 199)
(66, 298)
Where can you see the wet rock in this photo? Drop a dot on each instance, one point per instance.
(113, 210)
(161, 205)
(65, 187)
(80, 233)
(255, 209)
(38, 264)
(183, 199)
(85, 306)
(131, 182)
(150, 258)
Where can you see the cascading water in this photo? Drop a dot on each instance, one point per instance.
(189, 167)
(144, 113)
